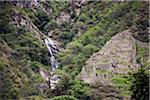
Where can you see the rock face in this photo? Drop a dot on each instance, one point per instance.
(64, 17)
(77, 5)
(50, 80)
(24, 22)
(27, 3)
(118, 56)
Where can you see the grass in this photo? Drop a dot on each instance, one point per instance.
(123, 82)
(142, 54)
(65, 97)
(102, 71)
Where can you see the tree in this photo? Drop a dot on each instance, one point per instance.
(140, 85)
(79, 90)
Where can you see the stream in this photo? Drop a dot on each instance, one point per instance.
(52, 48)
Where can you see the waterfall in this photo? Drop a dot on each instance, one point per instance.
(52, 48)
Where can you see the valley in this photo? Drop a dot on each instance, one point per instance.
(74, 50)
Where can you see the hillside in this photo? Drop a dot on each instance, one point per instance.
(116, 59)
(120, 59)
(74, 50)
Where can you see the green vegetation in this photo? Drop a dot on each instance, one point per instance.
(123, 82)
(22, 53)
(113, 19)
(96, 36)
(142, 54)
(132, 83)
(64, 98)
(140, 85)
(68, 86)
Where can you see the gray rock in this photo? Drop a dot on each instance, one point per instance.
(118, 56)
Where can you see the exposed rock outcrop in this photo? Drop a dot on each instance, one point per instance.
(24, 22)
(63, 17)
(50, 80)
(117, 57)
(27, 4)
(77, 4)
(120, 59)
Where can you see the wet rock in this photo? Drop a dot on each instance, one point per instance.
(50, 80)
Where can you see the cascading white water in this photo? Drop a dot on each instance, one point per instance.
(52, 47)
(51, 78)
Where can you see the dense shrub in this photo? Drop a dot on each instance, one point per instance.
(140, 85)
(99, 34)
(81, 37)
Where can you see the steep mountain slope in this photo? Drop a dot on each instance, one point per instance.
(118, 56)
(22, 54)
(31, 33)
(114, 18)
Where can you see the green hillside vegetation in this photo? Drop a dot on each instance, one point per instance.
(22, 53)
(94, 38)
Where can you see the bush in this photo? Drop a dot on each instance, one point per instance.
(50, 26)
(140, 85)
(123, 82)
(66, 36)
(79, 90)
(67, 86)
(63, 86)
(89, 49)
(41, 20)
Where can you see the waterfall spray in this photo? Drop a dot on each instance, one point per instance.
(52, 47)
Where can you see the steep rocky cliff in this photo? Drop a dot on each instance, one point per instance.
(23, 53)
(45, 45)
(118, 56)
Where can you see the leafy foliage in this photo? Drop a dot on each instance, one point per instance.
(68, 86)
(113, 19)
(19, 52)
(140, 85)
(81, 36)
(123, 82)
(79, 90)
